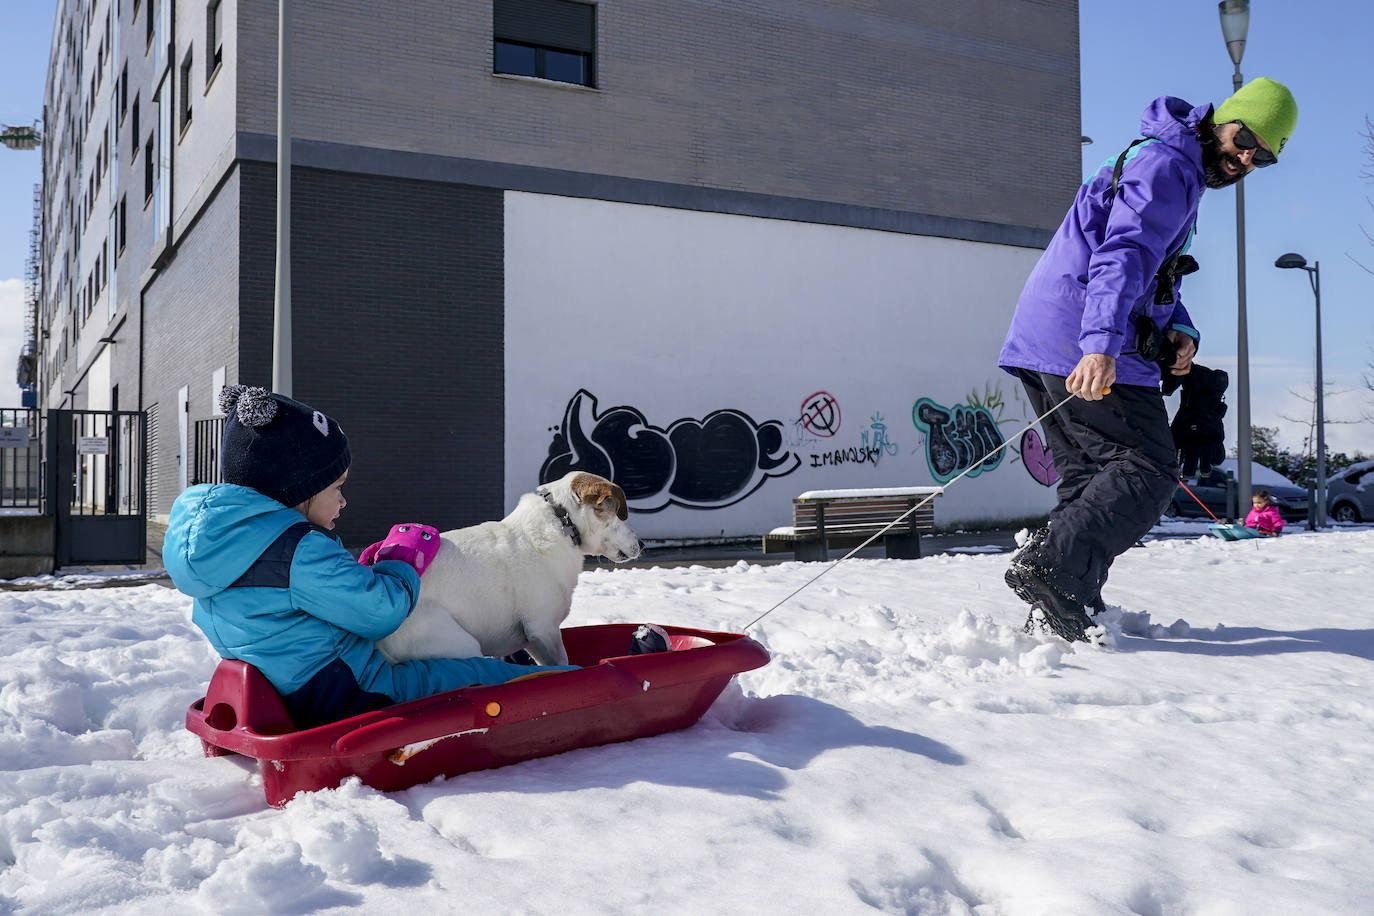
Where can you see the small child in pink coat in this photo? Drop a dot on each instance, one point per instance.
(1264, 517)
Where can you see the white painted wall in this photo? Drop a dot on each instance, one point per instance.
(679, 315)
(98, 381)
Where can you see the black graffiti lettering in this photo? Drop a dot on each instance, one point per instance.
(851, 455)
(989, 436)
(702, 464)
(941, 451)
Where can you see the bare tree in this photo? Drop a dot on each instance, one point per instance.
(1308, 396)
(1367, 175)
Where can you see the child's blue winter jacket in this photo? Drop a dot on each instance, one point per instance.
(285, 596)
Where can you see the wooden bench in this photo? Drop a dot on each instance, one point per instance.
(822, 519)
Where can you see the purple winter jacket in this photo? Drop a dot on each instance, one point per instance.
(1099, 269)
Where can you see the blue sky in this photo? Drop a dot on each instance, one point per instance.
(1314, 202)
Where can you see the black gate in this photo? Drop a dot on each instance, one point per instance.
(96, 486)
(21, 463)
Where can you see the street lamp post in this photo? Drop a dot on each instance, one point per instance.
(281, 320)
(1292, 260)
(1235, 23)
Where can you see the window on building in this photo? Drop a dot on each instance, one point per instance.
(151, 26)
(122, 224)
(184, 109)
(214, 37)
(123, 93)
(149, 172)
(547, 39)
(133, 128)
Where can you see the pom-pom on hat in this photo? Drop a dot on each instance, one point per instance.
(280, 447)
(1264, 106)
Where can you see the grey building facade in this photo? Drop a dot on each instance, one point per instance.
(411, 121)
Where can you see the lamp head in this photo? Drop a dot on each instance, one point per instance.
(1290, 260)
(1235, 23)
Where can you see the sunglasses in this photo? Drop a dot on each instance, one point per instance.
(1245, 139)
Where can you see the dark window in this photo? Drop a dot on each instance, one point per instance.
(123, 93)
(121, 226)
(151, 26)
(185, 106)
(214, 36)
(149, 173)
(548, 39)
(133, 129)
(514, 58)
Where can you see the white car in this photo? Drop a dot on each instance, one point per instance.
(1350, 494)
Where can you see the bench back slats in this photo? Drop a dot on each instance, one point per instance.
(861, 512)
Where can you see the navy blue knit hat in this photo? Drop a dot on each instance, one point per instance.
(281, 448)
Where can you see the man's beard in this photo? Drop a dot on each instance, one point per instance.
(1213, 174)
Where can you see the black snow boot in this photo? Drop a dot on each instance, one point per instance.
(649, 639)
(1061, 614)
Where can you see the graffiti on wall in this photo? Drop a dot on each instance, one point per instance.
(1037, 459)
(820, 415)
(1033, 452)
(699, 464)
(873, 445)
(957, 438)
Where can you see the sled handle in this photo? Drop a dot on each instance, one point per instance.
(398, 731)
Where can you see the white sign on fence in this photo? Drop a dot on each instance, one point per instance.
(14, 437)
(92, 445)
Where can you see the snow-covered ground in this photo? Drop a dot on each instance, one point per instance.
(908, 750)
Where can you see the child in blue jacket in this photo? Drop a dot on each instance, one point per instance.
(274, 588)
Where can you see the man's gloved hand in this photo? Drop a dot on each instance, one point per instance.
(1185, 348)
(409, 542)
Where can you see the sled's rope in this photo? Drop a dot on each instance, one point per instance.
(1199, 502)
(903, 516)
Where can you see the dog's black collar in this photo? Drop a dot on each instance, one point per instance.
(562, 514)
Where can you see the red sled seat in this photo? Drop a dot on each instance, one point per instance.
(610, 698)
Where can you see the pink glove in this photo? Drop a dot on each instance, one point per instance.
(409, 542)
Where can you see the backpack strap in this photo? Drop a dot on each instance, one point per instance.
(1177, 264)
(1121, 162)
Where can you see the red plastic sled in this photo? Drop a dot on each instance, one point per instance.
(612, 698)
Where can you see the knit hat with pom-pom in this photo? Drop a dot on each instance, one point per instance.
(281, 448)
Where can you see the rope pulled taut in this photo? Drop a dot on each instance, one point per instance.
(896, 521)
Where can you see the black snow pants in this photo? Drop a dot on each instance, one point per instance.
(1118, 470)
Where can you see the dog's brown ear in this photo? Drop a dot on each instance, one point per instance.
(622, 507)
(589, 488)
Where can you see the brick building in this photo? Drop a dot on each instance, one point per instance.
(504, 210)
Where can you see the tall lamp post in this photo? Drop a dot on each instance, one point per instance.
(1235, 23)
(281, 313)
(1314, 277)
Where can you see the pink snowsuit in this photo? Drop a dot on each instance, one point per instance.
(1266, 520)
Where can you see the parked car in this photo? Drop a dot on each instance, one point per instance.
(1350, 494)
(1290, 499)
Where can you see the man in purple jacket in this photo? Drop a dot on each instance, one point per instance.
(1100, 316)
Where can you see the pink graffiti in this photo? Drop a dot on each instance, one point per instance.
(1039, 462)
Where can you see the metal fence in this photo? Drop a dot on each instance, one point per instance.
(108, 469)
(207, 435)
(21, 459)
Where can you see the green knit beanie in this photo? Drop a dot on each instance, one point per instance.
(1264, 106)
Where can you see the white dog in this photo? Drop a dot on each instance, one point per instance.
(499, 587)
